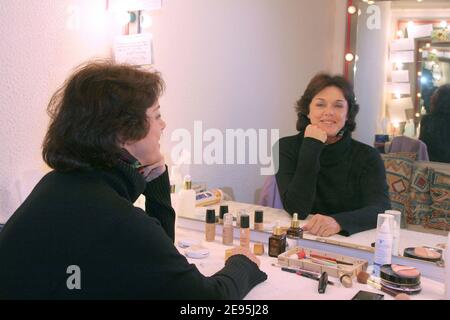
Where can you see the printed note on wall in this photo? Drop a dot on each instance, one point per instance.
(420, 31)
(402, 44)
(135, 49)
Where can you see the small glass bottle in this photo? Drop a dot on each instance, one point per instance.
(186, 199)
(223, 209)
(227, 230)
(294, 233)
(277, 242)
(259, 225)
(210, 225)
(245, 231)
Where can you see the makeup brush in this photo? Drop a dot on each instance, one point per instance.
(364, 278)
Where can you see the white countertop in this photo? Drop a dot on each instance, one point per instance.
(288, 286)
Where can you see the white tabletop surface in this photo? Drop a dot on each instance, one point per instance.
(288, 286)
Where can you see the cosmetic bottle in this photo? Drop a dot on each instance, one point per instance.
(259, 218)
(227, 230)
(447, 269)
(277, 242)
(210, 225)
(396, 230)
(222, 211)
(238, 218)
(245, 231)
(383, 243)
(294, 233)
(186, 198)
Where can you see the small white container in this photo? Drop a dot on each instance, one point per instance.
(396, 230)
(383, 243)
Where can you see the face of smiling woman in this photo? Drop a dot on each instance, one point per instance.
(328, 110)
(147, 150)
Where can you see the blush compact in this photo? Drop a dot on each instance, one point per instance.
(400, 278)
(423, 253)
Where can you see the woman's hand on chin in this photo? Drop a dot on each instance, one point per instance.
(313, 131)
(321, 225)
(154, 170)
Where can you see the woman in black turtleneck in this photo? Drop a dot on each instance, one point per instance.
(323, 171)
(78, 235)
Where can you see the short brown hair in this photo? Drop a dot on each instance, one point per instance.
(100, 106)
(317, 84)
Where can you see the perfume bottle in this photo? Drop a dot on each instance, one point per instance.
(277, 242)
(294, 233)
(186, 199)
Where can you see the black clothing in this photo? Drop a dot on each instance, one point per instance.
(435, 133)
(345, 180)
(86, 218)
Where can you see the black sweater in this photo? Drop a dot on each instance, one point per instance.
(87, 219)
(345, 180)
(435, 132)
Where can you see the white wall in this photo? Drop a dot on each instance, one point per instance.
(230, 63)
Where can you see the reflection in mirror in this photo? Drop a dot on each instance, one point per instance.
(384, 65)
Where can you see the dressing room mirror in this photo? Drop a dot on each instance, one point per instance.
(370, 39)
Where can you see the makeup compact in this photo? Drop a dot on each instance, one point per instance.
(402, 279)
(186, 243)
(424, 253)
(197, 252)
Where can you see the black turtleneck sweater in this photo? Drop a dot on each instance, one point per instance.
(345, 180)
(87, 219)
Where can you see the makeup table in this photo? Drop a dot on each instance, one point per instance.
(282, 285)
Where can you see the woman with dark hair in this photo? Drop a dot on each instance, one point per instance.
(323, 171)
(435, 127)
(78, 235)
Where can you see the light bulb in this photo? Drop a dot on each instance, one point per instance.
(146, 21)
(349, 57)
(351, 10)
(420, 50)
(417, 115)
(419, 95)
(434, 51)
(419, 73)
(370, 2)
(395, 124)
(428, 45)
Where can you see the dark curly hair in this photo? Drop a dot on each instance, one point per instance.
(440, 100)
(99, 107)
(317, 84)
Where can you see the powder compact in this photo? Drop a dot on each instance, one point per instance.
(424, 253)
(197, 252)
(400, 278)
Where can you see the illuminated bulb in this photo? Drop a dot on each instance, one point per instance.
(395, 124)
(349, 57)
(410, 24)
(428, 45)
(417, 115)
(123, 17)
(397, 95)
(423, 80)
(443, 24)
(419, 73)
(419, 95)
(400, 33)
(370, 2)
(434, 51)
(420, 50)
(399, 65)
(351, 9)
(419, 0)
(146, 21)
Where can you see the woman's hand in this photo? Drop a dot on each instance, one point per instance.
(323, 226)
(154, 170)
(313, 131)
(246, 252)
